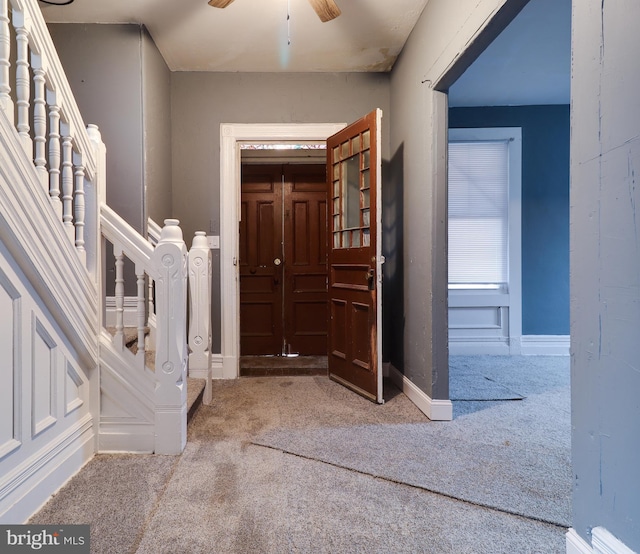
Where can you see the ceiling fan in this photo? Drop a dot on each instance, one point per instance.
(326, 9)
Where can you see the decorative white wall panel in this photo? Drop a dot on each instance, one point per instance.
(74, 390)
(484, 317)
(43, 371)
(10, 307)
(46, 428)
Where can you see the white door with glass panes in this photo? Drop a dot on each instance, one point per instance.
(484, 230)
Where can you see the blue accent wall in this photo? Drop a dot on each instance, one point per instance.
(545, 207)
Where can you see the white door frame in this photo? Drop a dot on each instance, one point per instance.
(232, 135)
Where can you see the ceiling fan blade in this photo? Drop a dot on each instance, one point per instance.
(326, 9)
(220, 3)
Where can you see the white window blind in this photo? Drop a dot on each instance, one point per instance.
(478, 212)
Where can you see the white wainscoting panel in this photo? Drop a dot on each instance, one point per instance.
(10, 350)
(476, 327)
(46, 427)
(126, 402)
(74, 390)
(43, 377)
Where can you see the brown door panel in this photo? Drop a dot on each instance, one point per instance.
(260, 278)
(283, 307)
(305, 301)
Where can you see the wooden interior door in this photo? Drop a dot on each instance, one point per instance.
(355, 257)
(283, 260)
(305, 267)
(261, 255)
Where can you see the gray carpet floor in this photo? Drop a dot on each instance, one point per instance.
(300, 464)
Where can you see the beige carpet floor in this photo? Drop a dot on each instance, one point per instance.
(329, 490)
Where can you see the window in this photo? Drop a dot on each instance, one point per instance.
(484, 240)
(478, 213)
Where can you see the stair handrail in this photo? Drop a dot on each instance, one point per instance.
(117, 231)
(153, 231)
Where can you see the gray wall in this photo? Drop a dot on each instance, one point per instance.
(102, 63)
(156, 105)
(122, 84)
(445, 41)
(605, 269)
(202, 101)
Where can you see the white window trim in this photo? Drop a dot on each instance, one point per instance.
(514, 294)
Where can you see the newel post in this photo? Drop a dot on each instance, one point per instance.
(95, 196)
(170, 263)
(200, 312)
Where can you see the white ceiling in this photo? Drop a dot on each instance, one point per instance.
(528, 63)
(251, 35)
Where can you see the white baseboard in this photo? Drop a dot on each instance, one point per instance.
(126, 436)
(545, 345)
(527, 345)
(603, 543)
(224, 367)
(198, 373)
(576, 544)
(130, 313)
(478, 347)
(435, 410)
(25, 489)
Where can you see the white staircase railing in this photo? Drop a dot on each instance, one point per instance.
(164, 265)
(128, 243)
(66, 161)
(58, 144)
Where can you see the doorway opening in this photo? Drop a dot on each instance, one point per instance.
(487, 105)
(232, 137)
(283, 259)
(529, 115)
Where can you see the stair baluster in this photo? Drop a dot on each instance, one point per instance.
(5, 51)
(23, 82)
(79, 207)
(141, 311)
(54, 152)
(39, 118)
(118, 339)
(67, 182)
